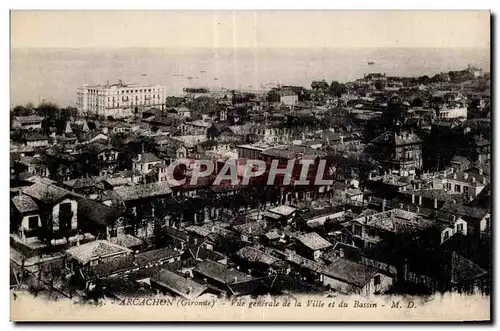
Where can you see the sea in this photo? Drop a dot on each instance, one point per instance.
(53, 74)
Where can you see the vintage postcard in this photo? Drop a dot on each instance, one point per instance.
(250, 166)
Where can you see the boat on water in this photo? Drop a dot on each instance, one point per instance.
(144, 74)
(202, 71)
(216, 78)
(370, 63)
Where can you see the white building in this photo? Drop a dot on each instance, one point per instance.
(119, 100)
(453, 112)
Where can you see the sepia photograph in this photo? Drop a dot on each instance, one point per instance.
(259, 165)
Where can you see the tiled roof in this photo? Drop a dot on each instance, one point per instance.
(254, 228)
(221, 272)
(350, 272)
(157, 255)
(439, 194)
(148, 157)
(24, 204)
(255, 255)
(126, 240)
(464, 270)
(96, 212)
(314, 241)
(29, 119)
(46, 192)
(468, 177)
(182, 286)
(95, 249)
(142, 191)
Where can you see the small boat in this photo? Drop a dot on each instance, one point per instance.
(144, 74)
(371, 63)
(216, 78)
(202, 71)
(189, 77)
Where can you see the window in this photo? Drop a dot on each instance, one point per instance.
(466, 189)
(460, 227)
(457, 188)
(33, 222)
(356, 229)
(376, 280)
(448, 186)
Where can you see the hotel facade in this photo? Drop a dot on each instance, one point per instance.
(119, 100)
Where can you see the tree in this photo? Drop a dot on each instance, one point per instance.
(319, 86)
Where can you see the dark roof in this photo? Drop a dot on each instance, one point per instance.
(397, 139)
(350, 272)
(468, 177)
(126, 240)
(157, 255)
(24, 204)
(96, 212)
(463, 270)
(463, 210)
(221, 272)
(182, 286)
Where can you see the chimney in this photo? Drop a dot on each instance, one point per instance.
(420, 200)
(235, 279)
(435, 203)
(484, 180)
(481, 171)
(369, 175)
(400, 206)
(473, 179)
(342, 254)
(182, 245)
(466, 176)
(139, 157)
(213, 229)
(454, 176)
(196, 241)
(413, 198)
(383, 205)
(418, 209)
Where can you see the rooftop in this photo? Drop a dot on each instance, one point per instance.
(350, 272)
(24, 204)
(182, 286)
(314, 241)
(95, 249)
(142, 191)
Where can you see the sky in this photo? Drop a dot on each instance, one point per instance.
(249, 29)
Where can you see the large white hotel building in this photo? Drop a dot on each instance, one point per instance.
(119, 100)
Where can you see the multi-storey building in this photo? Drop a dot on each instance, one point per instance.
(119, 100)
(399, 152)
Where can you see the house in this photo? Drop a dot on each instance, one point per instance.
(460, 163)
(464, 183)
(280, 216)
(459, 225)
(35, 139)
(25, 217)
(369, 230)
(172, 283)
(312, 245)
(251, 231)
(94, 253)
(228, 281)
(400, 152)
(350, 277)
(254, 259)
(27, 122)
(145, 162)
(57, 206)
